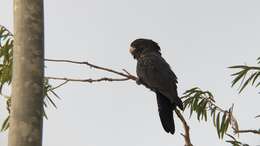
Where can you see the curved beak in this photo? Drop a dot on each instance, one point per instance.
(131, 50)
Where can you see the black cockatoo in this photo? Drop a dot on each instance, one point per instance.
(155, 73)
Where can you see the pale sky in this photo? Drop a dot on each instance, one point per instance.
(199, 39)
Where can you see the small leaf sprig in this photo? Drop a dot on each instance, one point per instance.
(202, 103)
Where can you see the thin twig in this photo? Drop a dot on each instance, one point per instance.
(63, 83)
(248, 131)
(186, 128)
(90, 65)
(88, 80)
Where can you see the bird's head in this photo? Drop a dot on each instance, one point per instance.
(140, 47)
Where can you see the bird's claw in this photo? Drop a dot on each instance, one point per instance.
(138, 81)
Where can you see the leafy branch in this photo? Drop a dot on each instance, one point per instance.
(241, 77)
(244, 70)
(6, 60)
(235, 142)
(202, 103)
(6, 57)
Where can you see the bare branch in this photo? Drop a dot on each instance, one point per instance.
(94, 66)
(186, 128)
(249, 131)
(88, 80)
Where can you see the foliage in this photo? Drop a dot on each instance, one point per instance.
(6, 57)
(235, 142)
(6, 60)
(241, 76)
(6, 51)
(203, 103)
(244, 70)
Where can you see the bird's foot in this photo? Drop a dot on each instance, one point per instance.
(138, 81)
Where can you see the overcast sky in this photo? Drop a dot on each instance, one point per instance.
(199, 39)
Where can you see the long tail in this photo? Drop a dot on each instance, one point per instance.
(165, 108)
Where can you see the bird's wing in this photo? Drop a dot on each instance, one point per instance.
(155, 72)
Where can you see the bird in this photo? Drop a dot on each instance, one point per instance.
(156, 74)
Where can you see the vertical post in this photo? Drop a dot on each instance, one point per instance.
(28, 74)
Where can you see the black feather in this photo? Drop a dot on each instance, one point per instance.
(165, 109)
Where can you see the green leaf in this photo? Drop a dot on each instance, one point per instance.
(213, 110)
(210, 96)
(191, 111)
(52, 102)
(191, 90)
(199, 111)
(258, 60)
(246, 82)
(235, 142)
(195, 103)
(187, 102)
(218, 124)
(227, 122)
(237, 73)
(44, 114)
(5, 124)
(214, 119)
(205, 115)
(257, 84)
(238, 66)
(256, 76)
(222, 127)
(242, 74)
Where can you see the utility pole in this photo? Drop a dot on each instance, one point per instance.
(28, 74)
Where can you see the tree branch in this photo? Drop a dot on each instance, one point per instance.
(249, 131)
(186, 128)
(88, 80)
(65, 82)
(127, 76)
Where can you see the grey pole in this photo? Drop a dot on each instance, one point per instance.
(28, 74)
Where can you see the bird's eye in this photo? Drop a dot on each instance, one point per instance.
(137, 53)
(139, 50)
